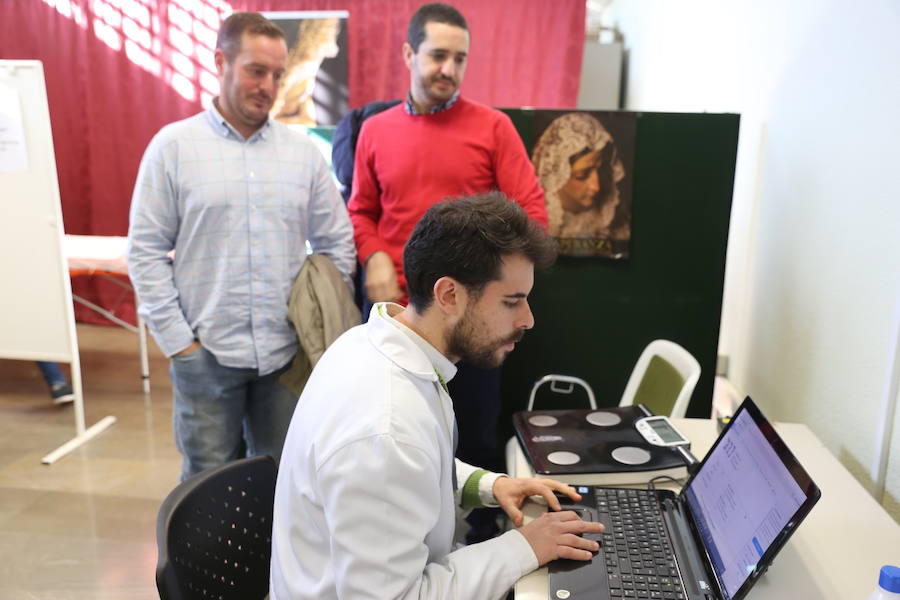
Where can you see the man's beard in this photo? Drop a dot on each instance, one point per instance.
(465, 342)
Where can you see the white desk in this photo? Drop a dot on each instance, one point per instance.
(836, 552)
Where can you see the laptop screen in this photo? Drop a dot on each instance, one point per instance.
(745, 497)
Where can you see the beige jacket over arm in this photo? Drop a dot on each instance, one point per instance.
(321, 308)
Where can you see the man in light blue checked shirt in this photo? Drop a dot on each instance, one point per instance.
(235, 195)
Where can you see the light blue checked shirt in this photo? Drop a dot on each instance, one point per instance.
(237, 213)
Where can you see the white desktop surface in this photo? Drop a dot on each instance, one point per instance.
(96, 253)
(834, 554)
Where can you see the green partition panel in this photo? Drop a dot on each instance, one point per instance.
(325, 132)
(594, 316)
(322, 138)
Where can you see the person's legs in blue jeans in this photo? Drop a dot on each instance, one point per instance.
(60, 390)
(270, 407)
(53, 375)
(208, 410)
(217, 407)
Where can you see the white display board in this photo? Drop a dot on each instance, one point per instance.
(36, 313)
(37, 318)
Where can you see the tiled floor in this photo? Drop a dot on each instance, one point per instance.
(84, 527)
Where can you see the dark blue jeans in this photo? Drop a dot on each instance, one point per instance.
(53, 375)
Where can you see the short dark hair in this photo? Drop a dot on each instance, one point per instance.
(234, 27)
(467, 239)
(435, 12)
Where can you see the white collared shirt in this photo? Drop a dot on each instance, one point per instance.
(364, 506)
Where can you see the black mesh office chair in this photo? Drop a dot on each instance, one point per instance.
(214, 533)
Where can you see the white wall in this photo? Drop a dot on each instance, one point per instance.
(812, 287)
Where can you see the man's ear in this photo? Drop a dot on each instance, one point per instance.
(450, 296)
(408, 55)
(220, 61)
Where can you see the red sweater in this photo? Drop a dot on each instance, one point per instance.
(405, 163)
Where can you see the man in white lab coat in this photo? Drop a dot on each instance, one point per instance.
(368, 485)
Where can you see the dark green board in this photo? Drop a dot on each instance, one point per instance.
(594, 316)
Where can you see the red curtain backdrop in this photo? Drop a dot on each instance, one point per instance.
(118, 70)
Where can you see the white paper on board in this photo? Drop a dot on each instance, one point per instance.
(13, 152)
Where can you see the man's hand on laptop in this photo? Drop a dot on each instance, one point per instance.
(511, 493)
(558, 535)
(554, 534)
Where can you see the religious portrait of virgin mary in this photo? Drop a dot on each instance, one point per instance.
(581, 170)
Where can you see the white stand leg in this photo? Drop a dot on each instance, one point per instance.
(82, 435)
(145, 361)
(78, 440)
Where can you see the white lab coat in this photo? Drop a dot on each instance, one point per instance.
(364, 506)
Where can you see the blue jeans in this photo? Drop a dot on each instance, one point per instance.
(215, 407)
(53, 375)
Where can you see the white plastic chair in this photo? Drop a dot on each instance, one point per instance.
(666, 382)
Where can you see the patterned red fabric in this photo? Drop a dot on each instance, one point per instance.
(104, 108)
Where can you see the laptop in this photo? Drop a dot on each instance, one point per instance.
(711, 541)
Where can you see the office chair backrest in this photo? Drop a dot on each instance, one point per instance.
(214, 533)
(663, 379)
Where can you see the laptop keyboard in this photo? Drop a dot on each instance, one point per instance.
(635, 546)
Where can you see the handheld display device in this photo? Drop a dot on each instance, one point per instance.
(659, 431)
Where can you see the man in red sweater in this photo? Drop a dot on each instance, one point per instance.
(434, 145)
